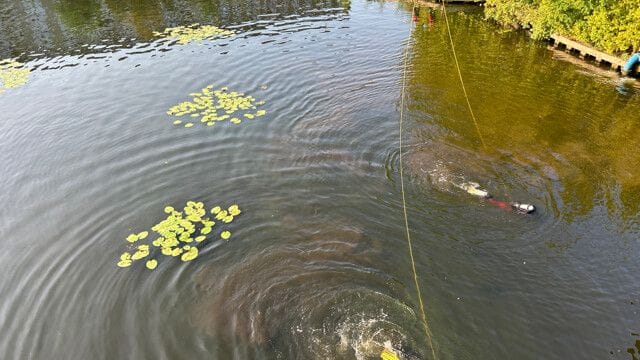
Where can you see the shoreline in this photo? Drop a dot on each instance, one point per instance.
(583, 52)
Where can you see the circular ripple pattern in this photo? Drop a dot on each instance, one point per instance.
(317, 264)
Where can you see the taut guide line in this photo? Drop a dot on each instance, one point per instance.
(470, 187)
(423, 311)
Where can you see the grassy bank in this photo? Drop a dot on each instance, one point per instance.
(612, 26)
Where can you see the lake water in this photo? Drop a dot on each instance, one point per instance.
(317, 266)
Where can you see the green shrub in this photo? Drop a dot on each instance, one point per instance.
(611, 25)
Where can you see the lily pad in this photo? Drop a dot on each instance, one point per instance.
(152, 264)
(141, 253)
(124, 263)
(176, 233)
(194, 33)
(190, 255)
(208, 103)
(13, 74)
(234, 210)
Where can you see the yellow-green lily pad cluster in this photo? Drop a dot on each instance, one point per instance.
(12, 74)
(212, 106)
(179, 233)
(193, 32)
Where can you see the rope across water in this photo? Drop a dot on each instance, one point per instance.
(423, 311)
(464, 88)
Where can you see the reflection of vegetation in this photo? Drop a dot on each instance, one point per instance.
(12, 74)
(79, 15)
(176, 233)
(195, 32)
(610, 25)
(545, 118)
(71, 23)
(217, 105)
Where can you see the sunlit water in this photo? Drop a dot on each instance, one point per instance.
(317, 266)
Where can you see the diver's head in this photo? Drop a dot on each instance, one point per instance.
(523, 208)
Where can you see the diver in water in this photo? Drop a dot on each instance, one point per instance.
(474, 189)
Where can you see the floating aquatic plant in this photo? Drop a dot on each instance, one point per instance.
(213, 106)
(387, 354)
(176, 233)
(12, 74)
(194, 32)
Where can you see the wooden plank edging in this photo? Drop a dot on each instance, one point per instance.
(586, 50)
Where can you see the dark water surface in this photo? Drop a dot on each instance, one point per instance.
(317, 267)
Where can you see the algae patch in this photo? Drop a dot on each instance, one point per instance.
(13, 74)
(178, 233)
(193, 33)
(212, 106)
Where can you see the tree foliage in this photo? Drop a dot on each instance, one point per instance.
(611, 25)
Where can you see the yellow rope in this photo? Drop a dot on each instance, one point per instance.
(464, 89)
(404, 202)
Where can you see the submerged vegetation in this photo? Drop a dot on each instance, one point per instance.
(193, 33)
(12, 74)
(611, 25)
(212, 106)
(179, 233)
